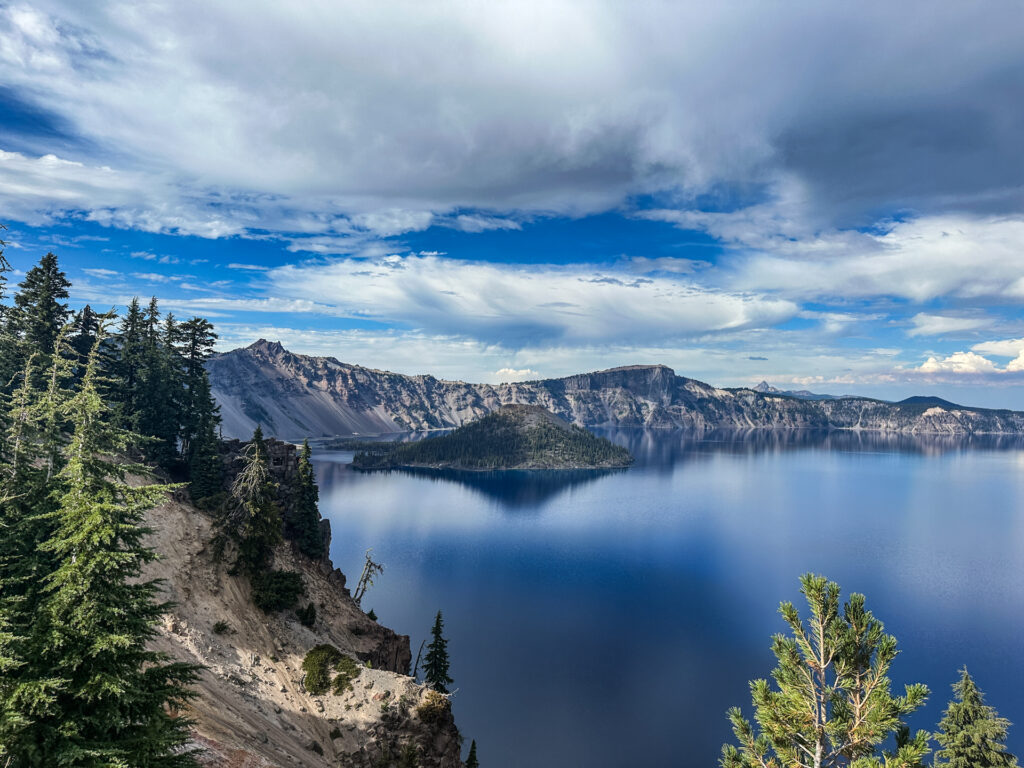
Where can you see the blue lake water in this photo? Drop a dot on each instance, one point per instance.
(604, 620)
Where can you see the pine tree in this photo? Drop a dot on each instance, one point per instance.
(435, 663)
(130, 367)
(833, 706)
(112, 704)
(471, 761)
(304, 525)
(255, 517)
(206, 470)
(971, 734)
(38, 312)
(159, 398)
(197, 340)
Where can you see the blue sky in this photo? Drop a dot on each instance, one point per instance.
(826, 196)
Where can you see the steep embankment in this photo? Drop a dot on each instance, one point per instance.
(252, 710)
(512, 437)
(295, 396)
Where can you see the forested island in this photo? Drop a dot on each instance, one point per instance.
(513, 437)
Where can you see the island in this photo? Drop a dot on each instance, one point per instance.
(512, 437)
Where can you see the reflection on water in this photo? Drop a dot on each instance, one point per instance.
(610, 619)
(664, 450)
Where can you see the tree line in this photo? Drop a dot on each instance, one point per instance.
(84, 406)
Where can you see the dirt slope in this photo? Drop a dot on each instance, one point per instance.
(252, 710)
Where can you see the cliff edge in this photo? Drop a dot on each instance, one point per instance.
(252, 709)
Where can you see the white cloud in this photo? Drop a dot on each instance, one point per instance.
(959, 362)
(520, 305)
(918, 260)
(101, 273)
(1003, 348)
(249, 267)
(937, 325)
(514, 374)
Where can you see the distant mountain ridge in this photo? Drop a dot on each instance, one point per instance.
(294, 396)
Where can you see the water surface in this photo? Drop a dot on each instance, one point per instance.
(610, 619)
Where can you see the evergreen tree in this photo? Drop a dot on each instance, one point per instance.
(197, 340)
(130, 366)
(304, 525)
(255, 517)
(206, 471)
(7, 358)
(833, 706)
(971, 734)
(159, 398)
(83, 338)
(435, 663)
(86, 690)
(38, 312)
(471, 761)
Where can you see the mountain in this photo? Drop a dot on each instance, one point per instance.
(294, 396)
(512, 437)
(765, 388)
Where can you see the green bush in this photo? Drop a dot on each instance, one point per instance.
(348, 671)
(307, 615)
(318, 665)
(276, 590)
(221, 627)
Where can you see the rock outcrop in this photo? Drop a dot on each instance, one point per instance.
(252, 709)
(294, 396)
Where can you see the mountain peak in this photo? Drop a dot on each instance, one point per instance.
(270, 347)
(764, 386)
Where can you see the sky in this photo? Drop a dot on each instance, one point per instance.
(826, 196)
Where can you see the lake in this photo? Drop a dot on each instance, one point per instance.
(611, 619)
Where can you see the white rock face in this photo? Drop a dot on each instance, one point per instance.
(296, 396)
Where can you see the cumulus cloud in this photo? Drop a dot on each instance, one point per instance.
(959, 362)
(513, 374)
(518, 305)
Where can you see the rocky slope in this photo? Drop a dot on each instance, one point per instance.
(294, 396)
(512, 437)
(252, 710)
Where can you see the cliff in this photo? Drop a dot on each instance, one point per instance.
(294, 396)
(252, 709)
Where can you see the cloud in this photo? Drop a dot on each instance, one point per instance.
(918, 260)
(101, 273)
(938, 325)
(513, 374)
(959, 362)
(861, 108)
(1003, 348)
(518, 305)
(249, 267)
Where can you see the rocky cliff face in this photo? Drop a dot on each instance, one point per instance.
(252, 709)
(295, 396)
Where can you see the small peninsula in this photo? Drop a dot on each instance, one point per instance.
(512, 437)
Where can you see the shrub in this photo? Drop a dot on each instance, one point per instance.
(276, 590)
(221, 627)
(434, 707)
(348, 671)
(318, 665)
(371, 615)
(307, 615)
